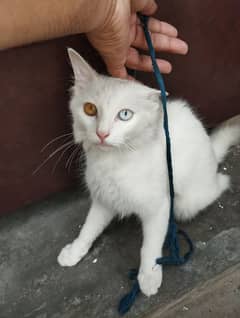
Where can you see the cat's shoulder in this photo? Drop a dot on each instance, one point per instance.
(178, 104)
(184, 118)
(180, 108)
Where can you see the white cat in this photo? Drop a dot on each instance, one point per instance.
(119, 123)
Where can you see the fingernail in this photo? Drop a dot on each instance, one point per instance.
(184, 47)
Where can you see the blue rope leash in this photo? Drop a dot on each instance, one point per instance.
(171, 242)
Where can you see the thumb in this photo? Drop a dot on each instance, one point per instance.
(147, 7)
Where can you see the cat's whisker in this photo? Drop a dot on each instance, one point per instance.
(120, 145)
(52, 155)
(82, 153)
(72, 160)
(81, 172)
(72, 156)
(130, 145)
(68, 135)
(123, 144)
(61, 156)
(69, 158)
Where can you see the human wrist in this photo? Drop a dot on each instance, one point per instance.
(90, 15)
(79, 16)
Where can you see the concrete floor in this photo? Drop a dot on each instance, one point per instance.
(218, 297)
(33, 285)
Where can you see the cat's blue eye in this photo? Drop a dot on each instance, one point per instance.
(125, 114)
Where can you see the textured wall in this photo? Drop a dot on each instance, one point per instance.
(34, 83)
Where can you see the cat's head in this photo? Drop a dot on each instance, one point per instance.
(110, 113)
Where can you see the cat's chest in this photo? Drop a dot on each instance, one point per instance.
(109, 182)
(116, 183)
(122, 183)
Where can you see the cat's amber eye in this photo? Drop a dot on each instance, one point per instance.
(90, 109)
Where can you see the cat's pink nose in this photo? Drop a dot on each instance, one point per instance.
(102, 135)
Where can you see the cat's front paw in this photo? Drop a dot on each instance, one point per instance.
(150, 281)
(70, 255)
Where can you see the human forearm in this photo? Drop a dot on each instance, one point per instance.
(111, 26)
(27, 21)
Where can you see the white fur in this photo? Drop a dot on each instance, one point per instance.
(129, 173)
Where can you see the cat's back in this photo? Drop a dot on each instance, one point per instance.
(192, 150)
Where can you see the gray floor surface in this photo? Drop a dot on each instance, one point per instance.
(33, 285)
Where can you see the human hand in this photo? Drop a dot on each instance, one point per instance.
(112, 27)
(120, 36)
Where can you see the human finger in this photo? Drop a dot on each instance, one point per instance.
(141, 62)
(161, 42)
(157, 26)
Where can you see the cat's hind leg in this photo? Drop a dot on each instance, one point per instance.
(199, 195)
(98, 218)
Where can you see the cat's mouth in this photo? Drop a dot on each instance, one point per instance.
(103, 145)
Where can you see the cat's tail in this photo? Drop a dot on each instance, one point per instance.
(224, 136)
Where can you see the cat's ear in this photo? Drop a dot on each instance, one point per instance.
(155, 94)
(83, 72)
